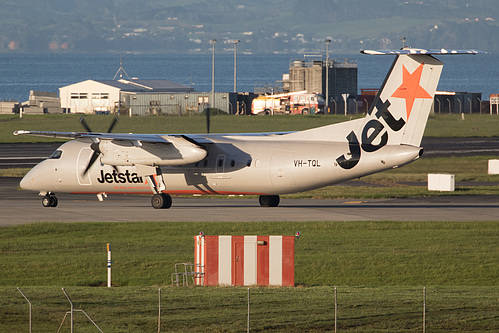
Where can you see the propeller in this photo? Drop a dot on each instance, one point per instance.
(95, 145)
(84, 123)
(109, 130)
(207, 110)
(94, 157)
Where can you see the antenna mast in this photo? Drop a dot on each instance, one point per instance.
(121, 70)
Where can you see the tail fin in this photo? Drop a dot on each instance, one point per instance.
(403, 103)
(400, 110)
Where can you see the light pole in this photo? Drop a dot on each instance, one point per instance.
(235, 62)
(213, 41)
(327, 76)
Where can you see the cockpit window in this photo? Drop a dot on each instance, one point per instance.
(56, 154)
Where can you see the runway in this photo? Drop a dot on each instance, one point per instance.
(19, 207)
(22, 207)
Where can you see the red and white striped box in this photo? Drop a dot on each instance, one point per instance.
(245, 260)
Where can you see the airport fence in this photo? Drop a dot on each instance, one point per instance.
(239, 309)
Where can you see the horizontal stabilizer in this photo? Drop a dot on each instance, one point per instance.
(408, 50)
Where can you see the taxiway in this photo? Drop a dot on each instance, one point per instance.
(19, 207)
(22, 207)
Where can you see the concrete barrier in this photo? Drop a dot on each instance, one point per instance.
(493, 167)
(441, 182)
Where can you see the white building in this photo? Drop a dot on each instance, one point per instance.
(95, 96)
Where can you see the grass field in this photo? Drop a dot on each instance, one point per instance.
(164, 124)
(438, 125)
(379, 268)
(393, 183)
(302, 309)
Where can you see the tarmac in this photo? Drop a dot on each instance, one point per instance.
(23, 207)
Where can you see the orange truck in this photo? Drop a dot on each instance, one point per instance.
(299, 102)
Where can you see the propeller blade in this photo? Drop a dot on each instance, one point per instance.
(93, 158)
(95, 145)
(84, 123)
(113, 123)
(207, 110)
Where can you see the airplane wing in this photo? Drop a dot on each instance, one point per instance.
(198, 139)
(408, 50)
(152, 138)
(145, 149)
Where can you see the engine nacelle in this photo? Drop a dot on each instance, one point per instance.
(125, 153)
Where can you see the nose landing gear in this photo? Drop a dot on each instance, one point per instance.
(50, 200)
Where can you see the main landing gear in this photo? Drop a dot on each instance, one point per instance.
(50, 200)
(161, 201)
(269, 200)
(164, 201)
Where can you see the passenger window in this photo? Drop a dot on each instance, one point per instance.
(56, 155)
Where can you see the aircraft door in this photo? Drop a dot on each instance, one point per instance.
(220, 168)
(81, 164)
(281, 172)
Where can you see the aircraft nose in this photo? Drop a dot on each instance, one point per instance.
(29, 180)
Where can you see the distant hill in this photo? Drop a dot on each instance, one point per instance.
(278, 26)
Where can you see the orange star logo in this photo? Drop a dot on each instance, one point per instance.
(410, 88)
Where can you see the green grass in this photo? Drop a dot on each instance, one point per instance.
(329, 253)
(17, 172)
(304, 309)
(391, 183)
(379, 268)
(452, 125)
(389, 190)
(438, 125)
(162, 124)
(467, 167)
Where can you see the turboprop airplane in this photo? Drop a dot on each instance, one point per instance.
(264, 164)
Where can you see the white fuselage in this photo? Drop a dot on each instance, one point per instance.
(261, 166)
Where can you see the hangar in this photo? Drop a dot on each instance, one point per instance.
(104, 96)
(143, 97)
(143, 104)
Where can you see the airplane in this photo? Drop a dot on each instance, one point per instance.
(263, 164)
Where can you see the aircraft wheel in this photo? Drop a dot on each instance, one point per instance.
(53, 201)
(46, 201)
(161, 201)
(50, 200)
(269, 200)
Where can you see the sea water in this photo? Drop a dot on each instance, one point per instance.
(20, 73)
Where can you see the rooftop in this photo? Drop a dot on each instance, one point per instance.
(135, 85)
